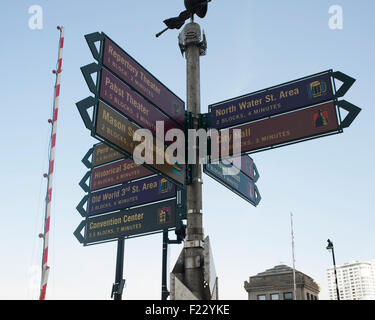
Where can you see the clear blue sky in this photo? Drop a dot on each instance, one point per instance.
(327, 183)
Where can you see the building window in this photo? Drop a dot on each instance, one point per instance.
(288, 296)
(275, 296)
(308, 296)
(261, 297)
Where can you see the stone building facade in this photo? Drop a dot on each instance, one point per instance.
(277, 284)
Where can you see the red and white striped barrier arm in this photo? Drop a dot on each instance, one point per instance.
(45, 268)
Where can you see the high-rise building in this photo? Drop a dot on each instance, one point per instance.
(278, 284)
(356, 281)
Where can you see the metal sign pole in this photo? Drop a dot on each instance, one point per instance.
(194, 242)
(164, 289)
(118, 286)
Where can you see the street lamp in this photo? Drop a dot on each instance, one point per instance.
(330, 247)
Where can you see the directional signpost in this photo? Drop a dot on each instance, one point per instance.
(116, 124)
(115, 59)
(112, 196)
(123, 184)
(125, 199)
(118, 132)
(289, 113)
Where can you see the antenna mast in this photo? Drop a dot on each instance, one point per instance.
(47, 217)
(294, 261)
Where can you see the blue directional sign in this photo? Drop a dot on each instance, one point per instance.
(239, 183)
(290, 96)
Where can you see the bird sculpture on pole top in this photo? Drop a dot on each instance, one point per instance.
(198, 7)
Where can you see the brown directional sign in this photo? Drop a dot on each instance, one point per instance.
(125, 100)
(292, 127)
(118, 132)
(103, 154)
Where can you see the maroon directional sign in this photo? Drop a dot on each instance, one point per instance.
(129, 70)
(284, 129)
(116, 173)
(131, 104)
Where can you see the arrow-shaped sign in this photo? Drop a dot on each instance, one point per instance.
(87, 71)
(91, 39)
(257, 195)
(83, 106)
(77, 232)
(353, 113)
(85, 160)
(347, 83)
(256, 177)
(83, 183)
(80, 208)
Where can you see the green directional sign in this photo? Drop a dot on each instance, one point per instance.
(131, 223)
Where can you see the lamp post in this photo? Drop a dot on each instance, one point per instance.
(330, 247)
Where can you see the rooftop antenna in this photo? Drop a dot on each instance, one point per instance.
(294, 261)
